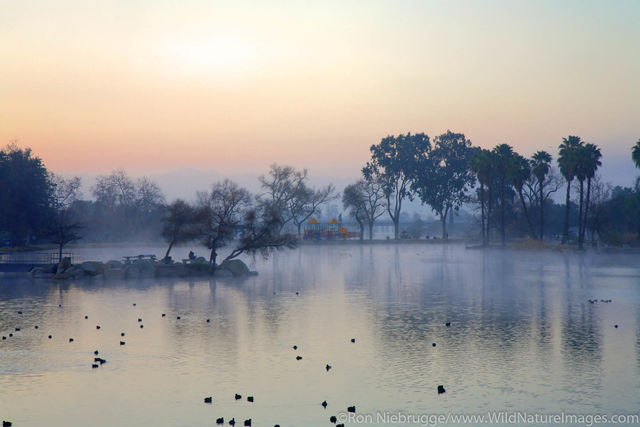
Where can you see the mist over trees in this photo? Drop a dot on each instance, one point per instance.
(510, 196)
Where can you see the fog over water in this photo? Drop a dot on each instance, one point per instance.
(523, 337)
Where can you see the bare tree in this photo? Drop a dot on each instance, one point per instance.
(64, 228)
(280, 187)
(220, 214)
(148, 195)
(374, 201)
(307, 201)
(115, 190)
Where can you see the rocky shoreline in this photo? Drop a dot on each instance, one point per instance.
(140, 269)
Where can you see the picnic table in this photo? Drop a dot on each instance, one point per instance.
(131, 258)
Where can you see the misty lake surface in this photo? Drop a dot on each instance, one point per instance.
(523, 337)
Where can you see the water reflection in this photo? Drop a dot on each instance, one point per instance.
(522, 336)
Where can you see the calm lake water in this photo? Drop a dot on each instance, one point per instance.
(523, 337)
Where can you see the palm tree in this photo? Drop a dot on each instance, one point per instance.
(567, 164)
(480, 164)
(540, 167)
(502, 158)
(581, 160)
(518, 172)
(592, 156)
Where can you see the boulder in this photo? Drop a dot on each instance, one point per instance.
(171, 270)
(146, 267)
(222, 272)
(114, 273)
(73, 272)
(236, 267)
(92, 268)
(114, 264)
(42, 272)
(132, 272)
(64, 264)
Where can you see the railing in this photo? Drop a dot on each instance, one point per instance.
(33, 258)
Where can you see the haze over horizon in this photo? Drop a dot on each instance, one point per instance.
(156, 87)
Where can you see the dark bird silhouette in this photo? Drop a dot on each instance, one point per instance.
(328, 367)
(447, 324)
(139, 319)
(96, 352)
(122, 343)
(208, 320)
(70, 339)
(178, 317)
(351, 409)
(208, 399)
(353, 340)
(97, 326)
(295, 347)
(86, 317)
(250, 399)
(141, 326)
(220, 421)
(164, 314)
(441, 389)
(11, 334)
(4, 338)
(232, 422)
(324, 404)
(616, 326)
(340, 425)
(134, 304)
(17, 329)
(297, 293)
(50, 336)
(238, 397)
(59, 305)
(333, 419)
(247, 423)
(298, 357)
(95, 365)
(35, 327)
(19, 312)
(6, 424)
(121, 334)
(433, 345)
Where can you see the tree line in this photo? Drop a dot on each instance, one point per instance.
(446, 173)
(511, 195)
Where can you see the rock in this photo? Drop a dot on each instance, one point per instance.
(113, 264)
(132, 272)
(92, 268)
(41, 273)
(146, 267)
(236, 267)
(114, 274)
(63, 265)
(222, 272)
(171, 270)
(73, 272)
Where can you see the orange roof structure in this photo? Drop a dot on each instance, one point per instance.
(333, 221)
(313, 221)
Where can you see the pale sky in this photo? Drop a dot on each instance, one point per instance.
(152, 86)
